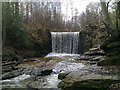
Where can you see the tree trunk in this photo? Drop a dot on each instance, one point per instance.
(107, 17)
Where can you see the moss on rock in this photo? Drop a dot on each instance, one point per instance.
(62, 75)
(112, 50)
(110, 60)
(91, 84)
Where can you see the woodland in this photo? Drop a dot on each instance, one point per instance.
(26, 28)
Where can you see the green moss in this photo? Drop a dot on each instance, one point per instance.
(110, 60)
(62, 75)
(8, 53)
(65, 85)
(101, 84)
(112, 47)
(112, 50)
(114, 44)
(95, 84)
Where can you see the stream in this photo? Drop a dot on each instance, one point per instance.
(76, 70)
(47, 81)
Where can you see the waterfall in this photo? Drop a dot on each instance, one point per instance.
(65, 42)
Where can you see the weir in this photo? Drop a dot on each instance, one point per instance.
(65, 42)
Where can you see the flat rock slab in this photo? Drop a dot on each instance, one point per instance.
(91, 72)
(12, 74)
(87, 75)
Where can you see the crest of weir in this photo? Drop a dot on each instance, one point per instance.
(65, 42)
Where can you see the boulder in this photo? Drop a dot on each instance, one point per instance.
(91, 84)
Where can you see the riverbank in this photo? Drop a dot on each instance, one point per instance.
(94, 76)
(64, 71)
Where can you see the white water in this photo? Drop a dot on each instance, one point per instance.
(62, 55)
(65, 42)
(67, 66)
(13, 82)
(16, 79)
(52, 81)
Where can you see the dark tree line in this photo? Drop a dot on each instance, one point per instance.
(22, 19)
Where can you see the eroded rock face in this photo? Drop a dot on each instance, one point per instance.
(95, 51)
(12, 74)
(93, 56)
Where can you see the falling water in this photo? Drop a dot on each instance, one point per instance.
(65, 42)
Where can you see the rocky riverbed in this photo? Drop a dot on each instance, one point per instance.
(44, 73)
(39, 72)
(92, 76)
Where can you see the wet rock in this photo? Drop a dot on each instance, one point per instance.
(84, 57)
(86, 78)
(94, 49)
(62, 75)
(27, 60)
(94, 52)
(36, 71)
(12, 74)
(115, 86)
(8, 66)
(91, 53)
(97, 58)
(108, 70)
(101, 63)
(8, 63)
(91, 84)
(31, 88)
(92, 62)
(46, 72)
(92, 72)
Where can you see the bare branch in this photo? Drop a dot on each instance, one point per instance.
(108, 3)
